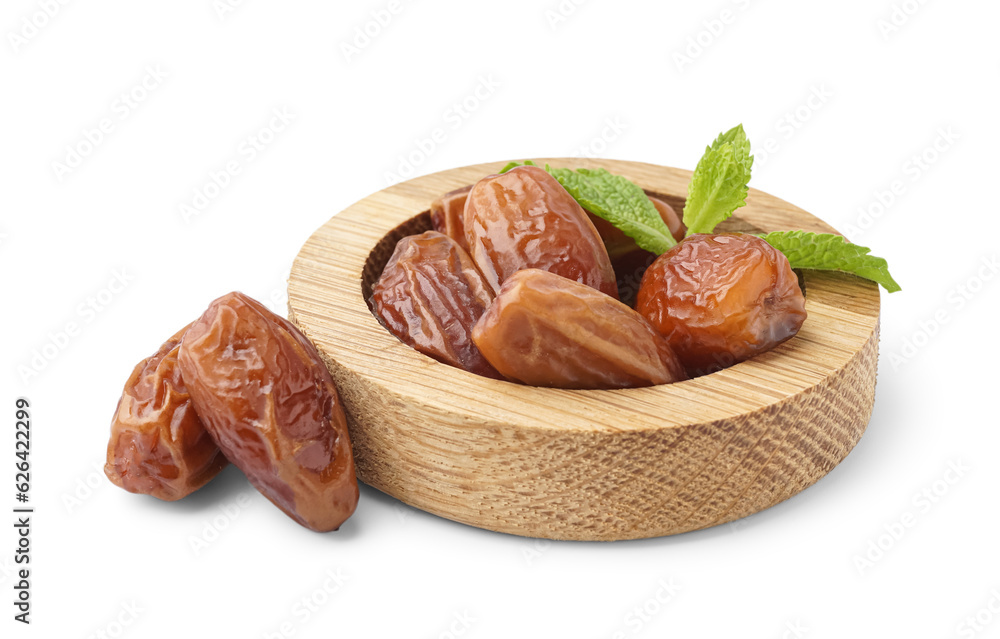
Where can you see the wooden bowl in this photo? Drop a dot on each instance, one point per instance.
(592, 464)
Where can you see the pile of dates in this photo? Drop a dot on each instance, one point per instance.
(518, 282)
(240, 385)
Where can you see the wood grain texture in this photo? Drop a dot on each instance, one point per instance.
(585, 465)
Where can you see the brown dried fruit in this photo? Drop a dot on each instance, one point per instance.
(546, 330)
(430, 295)
(158, 444)
(268, 400)
(721, 299)
(447, 213)
(525, 219)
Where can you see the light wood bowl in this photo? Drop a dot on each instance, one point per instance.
(585, 465)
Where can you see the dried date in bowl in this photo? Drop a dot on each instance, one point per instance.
(158, 444)
(546, 330)
(525, 219)
(721, 299)
(430, 295)
(267, 399)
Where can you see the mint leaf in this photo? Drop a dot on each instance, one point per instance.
(719, 184)
(619, 201)
(830, 252)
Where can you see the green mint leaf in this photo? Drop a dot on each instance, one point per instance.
(719, 184)
(619, 201)
(831, 252)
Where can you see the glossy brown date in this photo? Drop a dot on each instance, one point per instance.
(721, 299)
(158, 444)
(268, 400)
(546, 330)
(430, 295)
(447, 213)
(525, 219)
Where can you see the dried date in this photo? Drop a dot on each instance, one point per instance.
(546, 330)
(721, 299)
(268, 400)
(430, 295)
(525, 219)
(447, 213)
(158, 444)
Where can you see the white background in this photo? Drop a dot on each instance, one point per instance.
(103, 557)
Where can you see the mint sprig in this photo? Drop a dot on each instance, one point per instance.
(719, 185)
(829, 252)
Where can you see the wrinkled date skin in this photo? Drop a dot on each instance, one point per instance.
(430, 295)
(265, 396)
(628, 260)
(525, 219)
(721, 299)
(546, 330)
(158, 444)
(447, 215)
